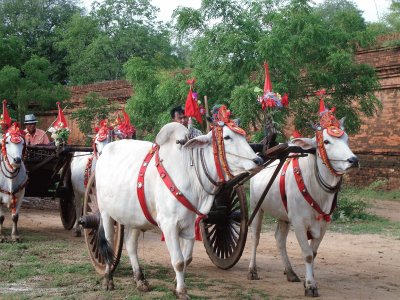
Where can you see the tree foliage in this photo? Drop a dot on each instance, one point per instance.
(308, 48)
(99, 44)
(156, 92)
(96, 108)
(30, 85)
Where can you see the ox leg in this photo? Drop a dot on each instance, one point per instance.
(310, 285)
(281, 233)
(131, 243)
(187, 250)
(255, 233)
(14, 232)
(78, 212)
(178, 262)
(316, 242)
(108, 224)
(2, 237)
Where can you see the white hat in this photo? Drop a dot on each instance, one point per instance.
(30, 119)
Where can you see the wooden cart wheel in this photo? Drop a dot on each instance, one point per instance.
(67, 200)
(90, 208)
(224, 234)
(67, 210)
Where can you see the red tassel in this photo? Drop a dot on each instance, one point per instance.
(267, 81)
(162, 237)
(197, 227)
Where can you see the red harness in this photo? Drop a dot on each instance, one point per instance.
(303, 190)
(13, 204)
(170, 185)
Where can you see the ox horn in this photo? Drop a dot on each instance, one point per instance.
(312, 125)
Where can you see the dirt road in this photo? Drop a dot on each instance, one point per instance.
(347, 266)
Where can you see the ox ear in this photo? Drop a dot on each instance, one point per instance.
(198, 142)
(171, 131)
(304, 143)
(342, 123)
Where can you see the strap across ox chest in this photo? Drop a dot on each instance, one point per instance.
(301, 185)
(13, 172)
(220, 163)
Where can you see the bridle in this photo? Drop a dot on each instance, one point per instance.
(220, 161)
(6, 168)
(96, 154)
(322, 154)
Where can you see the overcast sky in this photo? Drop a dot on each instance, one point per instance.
(371, 8)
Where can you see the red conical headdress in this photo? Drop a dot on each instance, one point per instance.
(191, 106)
(6, 121)
(61, 121)
(267, 82)
(223, 116)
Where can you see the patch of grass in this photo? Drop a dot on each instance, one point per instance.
(254, 294)
(373, 225)
(372, 192)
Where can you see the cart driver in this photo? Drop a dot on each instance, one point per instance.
(33, 135)
(178, 115)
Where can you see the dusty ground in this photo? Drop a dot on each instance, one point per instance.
(347, 266)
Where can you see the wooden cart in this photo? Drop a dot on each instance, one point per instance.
(47, 168)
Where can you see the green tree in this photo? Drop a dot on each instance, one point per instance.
(393, 17)
(99, 44)
(308, 48)
(96, 108)
(31, 27)
(156, 92)
(30, 85)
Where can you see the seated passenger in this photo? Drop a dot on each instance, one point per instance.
(33, 135)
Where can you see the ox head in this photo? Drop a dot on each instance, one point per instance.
(331, 142)
(12, 147)
(102, 137)
(239, 155)
(226, 138)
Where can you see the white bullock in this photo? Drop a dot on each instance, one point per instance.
(13, 179)
(82, 165)
(117, 172)
(321, 180)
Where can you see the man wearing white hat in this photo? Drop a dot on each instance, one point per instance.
(34, 136)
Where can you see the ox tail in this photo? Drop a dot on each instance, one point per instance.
(104, 245)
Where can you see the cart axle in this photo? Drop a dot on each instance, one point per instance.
(90, 221)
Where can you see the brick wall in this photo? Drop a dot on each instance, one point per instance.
(118, 92)
(377, 144)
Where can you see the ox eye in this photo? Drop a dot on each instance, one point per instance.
(227, 137)
(326, 142)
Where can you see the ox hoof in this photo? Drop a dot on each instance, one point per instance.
(182, 295)
(311, 292)
(142, 286)
(252, 275)
(108, 284)
(291, 276)
(16, 238)
(77, 233)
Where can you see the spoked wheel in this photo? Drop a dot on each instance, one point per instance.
(224, 232)
(92, 216)
(67, 210)
(67, 200)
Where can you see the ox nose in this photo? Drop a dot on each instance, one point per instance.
(17, 160)
(258, 161)
(353, 161)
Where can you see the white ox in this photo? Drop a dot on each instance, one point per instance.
(305, 219)
(13, 179)
(116, 183)
(79, 163)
